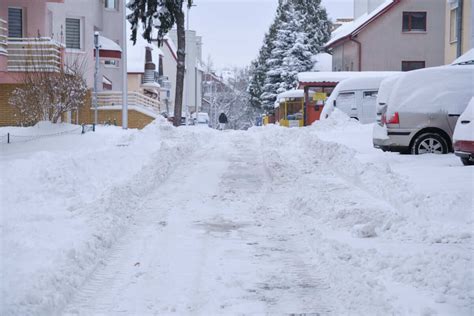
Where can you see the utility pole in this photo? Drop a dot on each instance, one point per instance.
(96, 74)
(124, 69)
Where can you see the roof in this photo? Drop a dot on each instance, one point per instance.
(467, 58)
(353, 28)
(328, 76)
(108, 44)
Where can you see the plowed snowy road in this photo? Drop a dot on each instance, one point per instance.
(209, 240)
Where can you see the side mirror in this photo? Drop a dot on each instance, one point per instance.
(334, 103)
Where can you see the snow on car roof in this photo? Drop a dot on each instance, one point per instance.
(467, 58)
(433, 89)
(360, 83)
(337, 76)
(349, 28)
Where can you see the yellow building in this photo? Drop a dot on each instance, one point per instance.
(459, 29)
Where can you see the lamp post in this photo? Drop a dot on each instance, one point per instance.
(124, 69)
(96, 73)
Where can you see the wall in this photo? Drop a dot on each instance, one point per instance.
(94, 17)
(169, 70)
(7, 112)
(34, 15)
(385, 46)
(467, 35)
(345, 57)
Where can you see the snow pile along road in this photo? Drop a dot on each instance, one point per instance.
(66, 199)
(268, 221)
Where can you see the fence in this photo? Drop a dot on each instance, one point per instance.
(111, 98)
(9, 138)
(33, 54)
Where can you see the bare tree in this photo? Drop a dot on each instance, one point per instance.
(48, 92)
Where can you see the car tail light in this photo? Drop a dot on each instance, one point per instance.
(394, 119)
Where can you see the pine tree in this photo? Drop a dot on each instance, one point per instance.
(300, 29)
(163, 15)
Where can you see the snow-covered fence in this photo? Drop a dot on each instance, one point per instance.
(33, 54)
(9, 138)
(111, 98)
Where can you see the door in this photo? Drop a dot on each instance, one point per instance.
(367, 110)
(346, 102)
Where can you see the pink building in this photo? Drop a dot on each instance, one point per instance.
(23, 27)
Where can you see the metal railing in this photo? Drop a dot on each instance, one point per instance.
(114, 98)
(34, 54)
(3, 37)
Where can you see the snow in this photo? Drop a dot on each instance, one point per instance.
(308, 77)
(136, 53)
(108, 44)
(322, 62)
(349, 28)
(467, 58)
(195, 221)
(444, 88)
(465, 131)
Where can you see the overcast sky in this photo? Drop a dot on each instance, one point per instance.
(233, 30)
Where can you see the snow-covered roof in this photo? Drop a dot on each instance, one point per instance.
(337, 76)
(467, 58)
(322, 62)
(136, 53)
(108, 44)
(349, 28)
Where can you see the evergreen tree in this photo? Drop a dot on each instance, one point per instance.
(163, 15)
(300, 29)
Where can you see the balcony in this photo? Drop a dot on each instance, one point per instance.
(32, 54)
(135, 99)
(3, 37)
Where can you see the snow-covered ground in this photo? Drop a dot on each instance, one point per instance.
(268, 221)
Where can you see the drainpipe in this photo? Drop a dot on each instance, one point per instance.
(459, 13)
(359, 48)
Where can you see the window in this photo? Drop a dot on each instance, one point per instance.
(370, 94)
(412, 65)
(453, 36)
(111, 63)
(15, 22)
(111, 4)
(414, 21)
(73, 33)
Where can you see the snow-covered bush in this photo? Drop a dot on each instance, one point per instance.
(47, 95)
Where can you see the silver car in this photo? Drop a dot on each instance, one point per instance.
(421, 111)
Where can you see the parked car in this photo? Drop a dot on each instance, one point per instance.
(357, 97)
(464, 135)
(202, 119)
(422, 110)
(351, 92)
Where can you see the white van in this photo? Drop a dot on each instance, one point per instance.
(357, 97)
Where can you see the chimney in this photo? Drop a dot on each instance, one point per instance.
(149, 67)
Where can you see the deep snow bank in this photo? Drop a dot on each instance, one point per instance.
(398, 230)
(66, 199)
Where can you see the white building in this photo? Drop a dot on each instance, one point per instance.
(194, 71)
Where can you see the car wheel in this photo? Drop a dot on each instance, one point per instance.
(429, 143)
(467, 162)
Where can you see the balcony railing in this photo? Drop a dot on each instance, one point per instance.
(34, 54)
(3, 37)
(114, 98)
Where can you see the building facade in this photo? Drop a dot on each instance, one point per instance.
(459, 31)
(396, 35)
